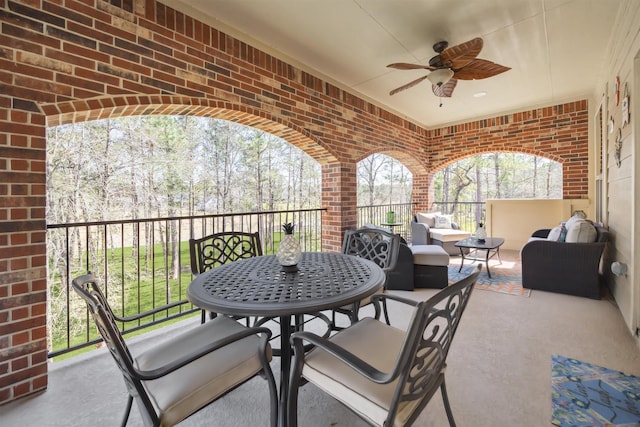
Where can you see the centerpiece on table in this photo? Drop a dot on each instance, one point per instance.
(289, 252)
(481, 233)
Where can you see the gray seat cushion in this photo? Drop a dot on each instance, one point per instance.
(181, 392)
(372, 401)
(430, 255)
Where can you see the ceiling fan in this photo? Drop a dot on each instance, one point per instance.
(451, 64)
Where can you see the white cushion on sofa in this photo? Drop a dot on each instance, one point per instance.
(448, 234)
(427, 218)
(558, 234)
(554, 234)
(573, 220)
(581, 231)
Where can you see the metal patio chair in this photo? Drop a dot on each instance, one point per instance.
(376, 245)
(182, 375)
(383, 374)
(221, 248)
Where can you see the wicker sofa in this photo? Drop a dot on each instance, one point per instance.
(561, 266)
(426, 231)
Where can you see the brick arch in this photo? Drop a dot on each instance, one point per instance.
(408, 160)
(559, 132)
(113, 107)
(484, 150)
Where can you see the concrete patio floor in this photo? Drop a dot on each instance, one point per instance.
(498, 369)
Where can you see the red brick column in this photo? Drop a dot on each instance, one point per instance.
(423, 193)
(23, 286)
(339, 196)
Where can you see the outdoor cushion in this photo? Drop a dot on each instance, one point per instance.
(429, 255)
(427, 218)
(448, 234)
(372, 401)
(554, 234)
(443, 221)
(558, 234)
(581, 231)
(178, 393)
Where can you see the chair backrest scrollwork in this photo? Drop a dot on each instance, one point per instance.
(220, 248)
(376, 245)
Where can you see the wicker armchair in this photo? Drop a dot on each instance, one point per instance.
(423, 234)
(568, 268)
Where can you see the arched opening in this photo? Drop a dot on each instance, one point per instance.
(142, 185)
(385, 188)
(461, 188)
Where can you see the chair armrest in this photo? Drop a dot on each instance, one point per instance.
(543, 233)
(203, 351)
(378, 297)
(548, 252)
(571, 268)
(420, 233)
(359, 365)
(150, 312)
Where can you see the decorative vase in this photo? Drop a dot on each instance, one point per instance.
(481, 233)
(289, 252)
(391, 217)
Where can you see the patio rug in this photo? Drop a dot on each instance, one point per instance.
(585, 395)
(505, 279)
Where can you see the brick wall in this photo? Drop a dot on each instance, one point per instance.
(95, 59)
(559, 133)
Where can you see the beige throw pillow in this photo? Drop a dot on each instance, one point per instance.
(554, 234)
(581, 231)
(427, 218)
(443, 221)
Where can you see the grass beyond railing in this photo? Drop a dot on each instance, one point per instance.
(145, 264)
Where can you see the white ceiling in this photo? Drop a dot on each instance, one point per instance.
(555, 48)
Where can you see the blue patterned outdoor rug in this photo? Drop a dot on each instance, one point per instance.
(503, 280)
(585, 395)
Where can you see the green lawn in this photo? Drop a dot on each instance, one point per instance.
(128, 291)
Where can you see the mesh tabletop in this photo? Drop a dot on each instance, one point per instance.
(257, 286)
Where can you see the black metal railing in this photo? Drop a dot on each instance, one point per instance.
(143, 264)
(466, 214)
(377, 215)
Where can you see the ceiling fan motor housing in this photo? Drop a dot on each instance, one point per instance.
(436, 61)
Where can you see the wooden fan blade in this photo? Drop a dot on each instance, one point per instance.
(407, 86)
(405, 66)
(479, 69)
(446, 89)
(460, 55)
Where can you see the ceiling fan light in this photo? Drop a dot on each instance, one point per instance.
(440, 76)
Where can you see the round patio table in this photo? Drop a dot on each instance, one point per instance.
(257, 287)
